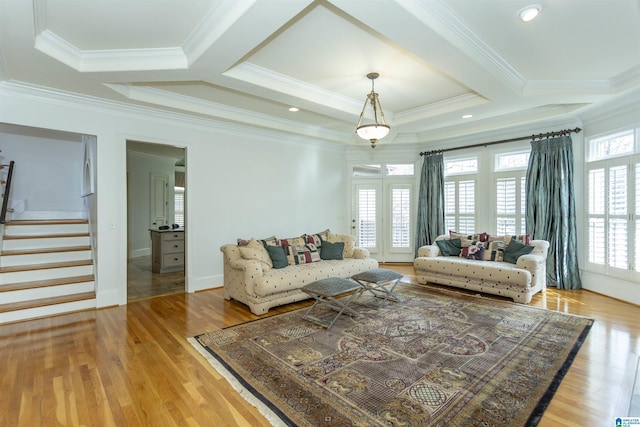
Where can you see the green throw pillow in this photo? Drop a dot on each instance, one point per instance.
(331, 250)
(515, 250)
(277, 255)
(449, 247)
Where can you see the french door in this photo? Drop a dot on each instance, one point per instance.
(383, 219)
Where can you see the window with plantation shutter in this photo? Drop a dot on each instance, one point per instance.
(367, 217)
(510, 192)
(613, 204)
(178, 216)
(460, 182)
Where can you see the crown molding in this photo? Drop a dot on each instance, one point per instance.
(58, 48)
(456, 103)
(225, 112)
(265, 78)
(437, 15)
(126, 111)
(218, 21)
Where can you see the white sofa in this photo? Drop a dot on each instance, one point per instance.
(519, 281)
(261, 287)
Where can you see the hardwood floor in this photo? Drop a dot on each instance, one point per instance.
(143, 283)
(132, 365)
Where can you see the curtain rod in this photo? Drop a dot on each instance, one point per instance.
(502, 141)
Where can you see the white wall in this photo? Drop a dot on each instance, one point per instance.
(140, 167)
(240, 182)
(47, 173)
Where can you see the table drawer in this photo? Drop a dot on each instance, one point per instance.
(173, 260)
(173, 246)
(173, 236)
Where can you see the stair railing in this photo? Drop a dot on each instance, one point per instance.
(7, 189)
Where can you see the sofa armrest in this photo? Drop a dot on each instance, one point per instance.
(536, 264)
(429, 251)
(361, 253)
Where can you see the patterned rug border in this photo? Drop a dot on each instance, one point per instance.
(277, 418)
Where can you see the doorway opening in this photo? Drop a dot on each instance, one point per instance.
(156, 220)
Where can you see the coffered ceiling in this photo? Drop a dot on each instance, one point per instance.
(248, 61)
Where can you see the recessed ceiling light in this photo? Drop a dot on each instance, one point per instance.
(467, 116)
(528, 13)
(294, 109)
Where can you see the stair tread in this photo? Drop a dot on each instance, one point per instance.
(46, 283)
(5, 308)
(43, 236)
(47, 221)
(45, 250)
(16, 268)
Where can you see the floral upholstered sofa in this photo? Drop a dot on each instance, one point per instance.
(510, 266)
(269, 272)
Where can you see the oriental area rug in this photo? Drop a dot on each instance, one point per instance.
(435, 358)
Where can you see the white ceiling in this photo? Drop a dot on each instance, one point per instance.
(247, 61)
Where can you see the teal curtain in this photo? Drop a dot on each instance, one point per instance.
(551, 208)
(430, 201)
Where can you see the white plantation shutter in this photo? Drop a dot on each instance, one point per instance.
(367, 217)
(618, 216)
(613, 205)
(637, 219)
(511, 207)
(400, 217)
(178, 206)
(460, 204)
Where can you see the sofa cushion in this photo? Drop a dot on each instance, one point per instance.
(514, 250)
(449, 247)
(332, 250)
(296, 276)
(278, 256)
(254, 250)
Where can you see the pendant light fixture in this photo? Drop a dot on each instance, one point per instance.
(378, 129)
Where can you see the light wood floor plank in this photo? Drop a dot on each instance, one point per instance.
(132, 365)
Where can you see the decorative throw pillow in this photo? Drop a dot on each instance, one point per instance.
(449, 247)
(256, 251)
(317, 238)
(346, 239)
(331, 250)
(473, 251)
(481, 237)
(277, 255)
(515, 250)
(304, 254)
(244, 242)
(495, 251)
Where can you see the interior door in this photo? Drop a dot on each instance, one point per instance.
(159, 203)
(366, 222)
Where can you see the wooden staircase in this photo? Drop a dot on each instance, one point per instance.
(46, 268)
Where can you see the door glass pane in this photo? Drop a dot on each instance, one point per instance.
(618, 190)
(401, 205)
(618, 242)
(467, 197)
(596, 240)
(367, 217)
(596, 191)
